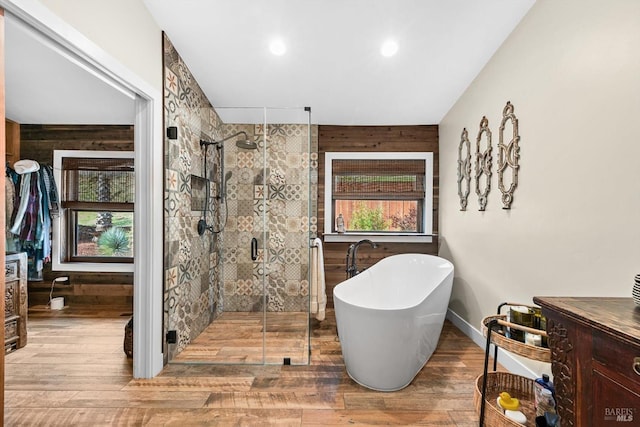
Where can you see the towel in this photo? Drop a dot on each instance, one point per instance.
(318, 290)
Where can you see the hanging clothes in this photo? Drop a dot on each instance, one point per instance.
(9, 195)
(31, 222)
(28, 229)
(10, 200)
(21, 206)
(51, 190)
(45, 215)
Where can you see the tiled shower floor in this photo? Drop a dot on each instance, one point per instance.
(237, 337)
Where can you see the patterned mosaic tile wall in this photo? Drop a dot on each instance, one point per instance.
(192, 275)
(283, 190)
(198, 286)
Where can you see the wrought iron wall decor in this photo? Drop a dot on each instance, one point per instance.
(464, 169)
(508, 155)
(483, 163)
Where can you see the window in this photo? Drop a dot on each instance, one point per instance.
(385, 194)
(95, 228)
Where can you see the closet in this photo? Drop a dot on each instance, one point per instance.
(16, 305)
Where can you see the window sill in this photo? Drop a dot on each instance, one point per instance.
(93, 267)
(378, 237)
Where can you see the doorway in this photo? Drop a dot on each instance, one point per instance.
(147, 108)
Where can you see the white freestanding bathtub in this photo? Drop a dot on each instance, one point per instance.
(390, 317)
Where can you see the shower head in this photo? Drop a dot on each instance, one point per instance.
(246, 144)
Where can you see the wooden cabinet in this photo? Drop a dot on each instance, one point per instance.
(16, 306)
(595, 359)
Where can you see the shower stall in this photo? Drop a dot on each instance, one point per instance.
(241, 288)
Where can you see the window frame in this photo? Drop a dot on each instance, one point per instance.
(425, 236)
(61, 232)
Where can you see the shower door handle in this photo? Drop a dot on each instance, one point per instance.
(254, 249)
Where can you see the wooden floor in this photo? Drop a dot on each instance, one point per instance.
(241, 337)
(73, 372)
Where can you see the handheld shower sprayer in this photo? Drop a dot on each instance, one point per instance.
(223, 193)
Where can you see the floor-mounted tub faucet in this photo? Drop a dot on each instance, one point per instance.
(352, 253)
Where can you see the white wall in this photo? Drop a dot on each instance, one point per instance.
(123, 28)
(572, 71)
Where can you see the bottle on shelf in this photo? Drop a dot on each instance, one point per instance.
(340, 224)
(520, 315)
(544, 395)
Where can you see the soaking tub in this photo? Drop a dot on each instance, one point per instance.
(390, 317)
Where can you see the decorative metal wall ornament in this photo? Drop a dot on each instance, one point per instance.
(464, 169)
(483, 163)
(508, 155)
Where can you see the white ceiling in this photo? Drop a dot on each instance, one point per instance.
(45, 86)
(332, 63)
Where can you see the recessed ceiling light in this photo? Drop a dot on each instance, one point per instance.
(389, 48)
(277, 47)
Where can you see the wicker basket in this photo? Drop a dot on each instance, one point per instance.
(517, 386)
(526, 350)
(128, 338)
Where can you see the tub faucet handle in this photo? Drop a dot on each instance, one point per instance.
(352, 252)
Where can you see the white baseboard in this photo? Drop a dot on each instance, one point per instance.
(505, 358)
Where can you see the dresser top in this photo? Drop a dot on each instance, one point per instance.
(616, 316)
(12, 256)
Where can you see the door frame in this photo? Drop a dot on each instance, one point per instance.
(148, 148)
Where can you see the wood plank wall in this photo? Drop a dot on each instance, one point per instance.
(37, 142)
(376, 139)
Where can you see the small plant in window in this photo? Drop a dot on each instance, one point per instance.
(408, 222)
(366, 218)
(114, 242)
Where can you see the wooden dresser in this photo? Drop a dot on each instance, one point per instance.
(595, 359)
(16, 306)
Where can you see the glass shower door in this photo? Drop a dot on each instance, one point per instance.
(251, 305)
(287, 220)
(241, 323)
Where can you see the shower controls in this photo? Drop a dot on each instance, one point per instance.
(254, 249)
(202, 227)
(224, 179)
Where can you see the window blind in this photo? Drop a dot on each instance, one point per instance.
(90, 180)
(378, 179)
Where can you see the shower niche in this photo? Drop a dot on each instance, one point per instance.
(256, 197)
(199, 187)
